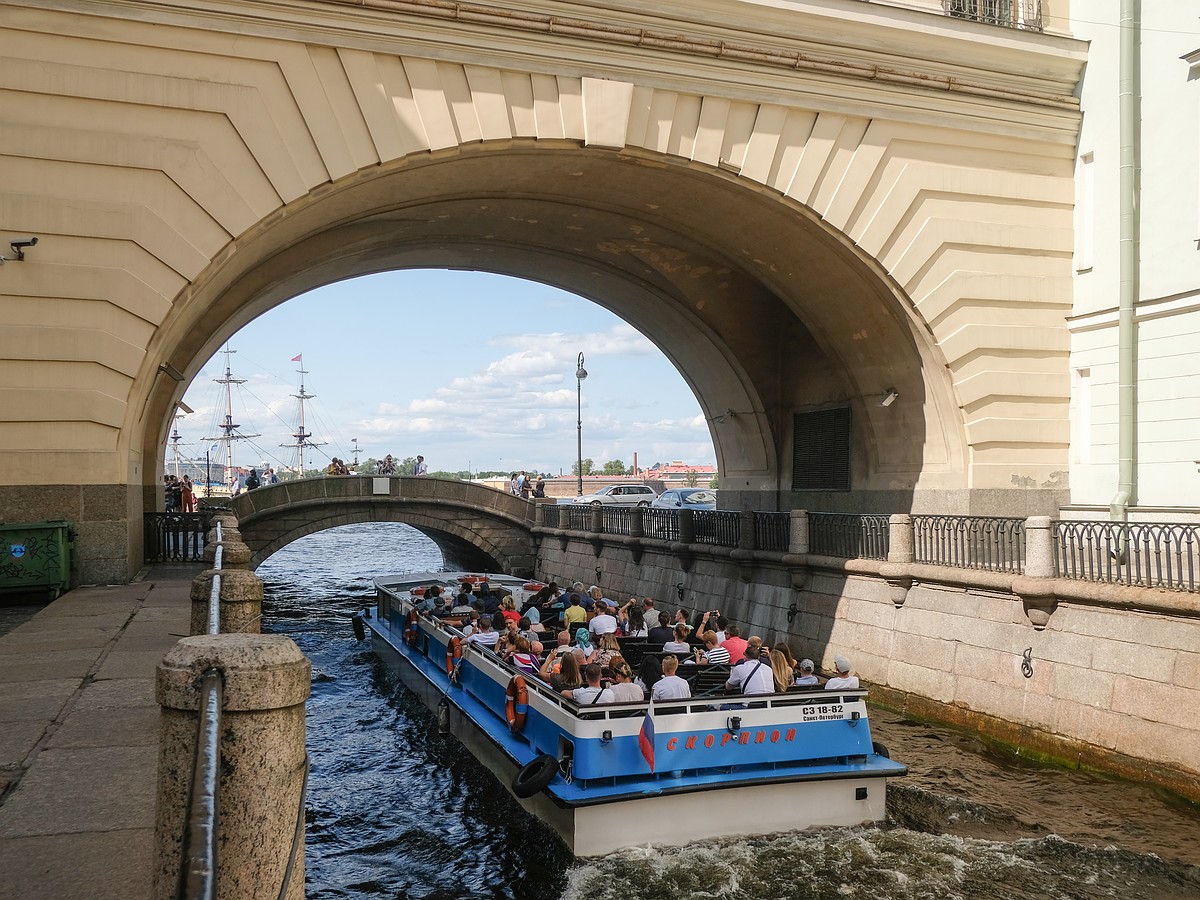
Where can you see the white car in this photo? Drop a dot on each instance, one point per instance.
(620, 495)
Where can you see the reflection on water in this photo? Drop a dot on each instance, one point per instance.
(395, 810)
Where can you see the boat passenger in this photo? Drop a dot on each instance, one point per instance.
(734, 644)
(659, 634)
(533, 616)
(635, 624)
(484, 637)
(712, 654)
(472, 623)
(606, 648)
(568, 676)
(623, 690)
(506, 645)
(603, 622)
(491, 602)
(671, 686)
(591, 692)
(523, 658)
(649, 613)
(508, 609)
(462, 602)
(753, 675)
(574, 615)
(649, 673)
(783, 648)
(525, 630)
(583, 646)
(782, 672)
(427, 603)
(680, 643)
(806, 676)
(843, 680)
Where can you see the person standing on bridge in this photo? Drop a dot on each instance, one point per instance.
(419, 467)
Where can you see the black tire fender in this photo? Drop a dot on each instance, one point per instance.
(360, 630)
(880, 749)
(535, 777)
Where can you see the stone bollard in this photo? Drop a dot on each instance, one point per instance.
(240, 601)
(637, 522)
(564, 517)
(236, 555)
(798, 532)
(597, 521)
(900, 538)
(747, 532)
(1039, 548)
(687, 526)
(262, 767)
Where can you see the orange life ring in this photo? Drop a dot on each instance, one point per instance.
(453, 653)
(533, 585)
(471, 579)
(418, 592)
(411, 628)
(516, 703)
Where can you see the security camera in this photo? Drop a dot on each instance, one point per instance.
(18, 247)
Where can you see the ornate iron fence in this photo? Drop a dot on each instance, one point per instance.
(580, 517)
(661, 523)
(718, 526)
(773, 531)
(1145, 554)
(617, 520)
(993, 543)
(848, 535)
(175, 536)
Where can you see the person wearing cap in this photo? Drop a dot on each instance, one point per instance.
(603, 622)
(419, 467)
(485, 636)
(806, 676)
(843, 680)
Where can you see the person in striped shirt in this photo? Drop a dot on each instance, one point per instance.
(712, 653)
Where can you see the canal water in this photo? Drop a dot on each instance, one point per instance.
(397, 811)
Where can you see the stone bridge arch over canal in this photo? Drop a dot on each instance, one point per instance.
(476, 527)
(809, 207)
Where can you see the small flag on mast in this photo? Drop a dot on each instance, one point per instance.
(646, 736)
(297, 358)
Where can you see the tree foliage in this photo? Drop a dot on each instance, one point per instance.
(588, 467)
(613, 467)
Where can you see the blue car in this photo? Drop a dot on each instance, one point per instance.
(686, 498)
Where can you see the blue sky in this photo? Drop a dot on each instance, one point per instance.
(469, 369)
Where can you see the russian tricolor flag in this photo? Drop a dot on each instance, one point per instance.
(646, 736)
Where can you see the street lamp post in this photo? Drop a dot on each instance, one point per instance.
(580, 374)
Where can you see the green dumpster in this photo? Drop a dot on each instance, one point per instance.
(35, 555)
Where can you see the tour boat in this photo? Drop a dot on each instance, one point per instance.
(610, 776)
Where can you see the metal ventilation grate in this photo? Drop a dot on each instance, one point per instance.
(821, 454)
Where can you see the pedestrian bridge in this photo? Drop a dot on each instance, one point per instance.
(476, 527)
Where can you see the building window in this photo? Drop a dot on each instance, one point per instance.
(821, 450)
(1085, 213)
(1024, 14)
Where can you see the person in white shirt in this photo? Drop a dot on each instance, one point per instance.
(671, 686)
(604, 622)
(484, 637)
(623, 690)
(590, 693)
(419, 467)
(680, 644)
(753, 675)
(843, 680)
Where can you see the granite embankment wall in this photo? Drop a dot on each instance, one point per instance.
(1090, 674)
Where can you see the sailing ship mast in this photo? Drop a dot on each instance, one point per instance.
(300, 435)
(229, 432)
(175, 436)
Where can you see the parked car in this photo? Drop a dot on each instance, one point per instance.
(686, 498)
(620, 495)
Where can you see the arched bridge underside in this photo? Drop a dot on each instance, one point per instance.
(475, 527)
(807, 206)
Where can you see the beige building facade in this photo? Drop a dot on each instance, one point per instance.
(810, 206)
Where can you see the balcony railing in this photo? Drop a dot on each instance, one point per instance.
(772, 531)
(1023, 14)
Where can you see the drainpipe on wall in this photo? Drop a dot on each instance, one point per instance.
(1130, 126)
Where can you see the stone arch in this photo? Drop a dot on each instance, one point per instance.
(794, 233)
